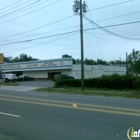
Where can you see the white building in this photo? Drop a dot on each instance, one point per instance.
(46, 69)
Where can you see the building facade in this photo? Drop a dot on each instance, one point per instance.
(46, 69)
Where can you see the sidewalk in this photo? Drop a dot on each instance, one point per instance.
(18, 88)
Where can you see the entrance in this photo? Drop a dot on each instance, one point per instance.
(51, 74)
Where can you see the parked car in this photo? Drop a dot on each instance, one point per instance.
(62, 76)
(9, 77)
(20, 78)
(28, 78)
(25, 78)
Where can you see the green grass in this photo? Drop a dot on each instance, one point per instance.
(101, 92)
(9, 84)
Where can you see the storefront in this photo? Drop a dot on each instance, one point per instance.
(46, 69)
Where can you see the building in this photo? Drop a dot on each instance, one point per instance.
(46, 69)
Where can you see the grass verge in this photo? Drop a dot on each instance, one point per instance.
(102, 92)
(9, 84)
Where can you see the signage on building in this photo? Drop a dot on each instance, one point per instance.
(50, 64)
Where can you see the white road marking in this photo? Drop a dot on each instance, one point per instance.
(12, 115)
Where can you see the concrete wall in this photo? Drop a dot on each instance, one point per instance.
(97, 71)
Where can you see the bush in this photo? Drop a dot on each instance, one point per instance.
(69, 83)
(114, 81)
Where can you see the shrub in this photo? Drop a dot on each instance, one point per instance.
(114, 81)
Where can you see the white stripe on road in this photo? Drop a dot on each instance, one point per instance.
(12, 115)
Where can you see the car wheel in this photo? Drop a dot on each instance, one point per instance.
(14, 81)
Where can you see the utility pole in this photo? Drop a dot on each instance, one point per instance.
(82, 7)
(126, 64)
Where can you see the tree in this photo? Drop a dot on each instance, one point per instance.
(22, 58)
(69, 56)
(117, 62)
(90, 62)
(102, 62)
(134, 61)
(8, 59)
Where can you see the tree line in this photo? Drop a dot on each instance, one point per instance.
(21, 58)
(132, 62)
(95, 62)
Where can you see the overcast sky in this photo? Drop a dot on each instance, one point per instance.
(25, 20)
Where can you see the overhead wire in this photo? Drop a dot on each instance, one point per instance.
(38, 27)
(112, 5)
(20, 10)
(53, 40)
(15, 6)
(29, 40)
(96, 37)
(110, 32)
(115, 25)
(10, 5)
(109, 41)
(30, 12)
(77, 25)
(85, 30)
(68, 28)
(118, 16)
(41, 33)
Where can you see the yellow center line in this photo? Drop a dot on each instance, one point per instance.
(70, 103)
(71, 107)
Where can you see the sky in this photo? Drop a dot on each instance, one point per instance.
(48, 29)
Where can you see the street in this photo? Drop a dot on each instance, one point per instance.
(48, 116)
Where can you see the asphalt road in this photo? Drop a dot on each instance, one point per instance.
(44, 116)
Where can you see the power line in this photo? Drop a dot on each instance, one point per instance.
(14, 12)
(96, 37)
(108, 41)
(119, 16)
(37, 38)
(40, 33)
(15, 6)
(115, 25)
(112, 33)
(41, 43)
(30, 12)
(90, 29)
(74, 26)
(84, 24)
(114, 17)
(10, 5)
(38, 27)
(111, 5)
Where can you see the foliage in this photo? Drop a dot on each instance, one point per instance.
(22, 58)
(68, 56)
(134, 61)
(95, 62)
(114, 81)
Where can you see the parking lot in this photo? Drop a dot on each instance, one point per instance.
(39, 83)
(28, 85)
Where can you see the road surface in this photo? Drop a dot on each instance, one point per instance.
(44, 116)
